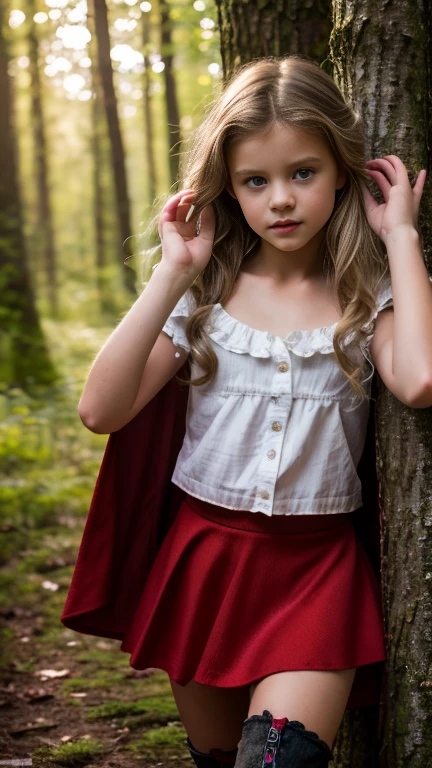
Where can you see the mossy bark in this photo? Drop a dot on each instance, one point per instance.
(272, 28)
(381, 53)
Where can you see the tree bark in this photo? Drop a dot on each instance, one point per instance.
(382, 63)
(251, 30)
(117, 150)
(24, 359)
(173, 114)
(45, 238)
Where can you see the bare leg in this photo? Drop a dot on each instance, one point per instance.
(212, 717)
(317, 698)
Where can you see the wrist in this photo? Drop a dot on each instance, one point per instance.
(406, 232)
(178, 277)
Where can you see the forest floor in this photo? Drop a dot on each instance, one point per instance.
(66, 699)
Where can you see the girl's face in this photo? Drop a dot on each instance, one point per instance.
(275, 177)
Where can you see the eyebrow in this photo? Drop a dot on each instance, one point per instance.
(309, 159)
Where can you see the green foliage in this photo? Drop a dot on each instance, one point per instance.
(73, 753)
(156, 705)
(161, 743)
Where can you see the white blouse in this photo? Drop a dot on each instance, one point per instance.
(276, 430)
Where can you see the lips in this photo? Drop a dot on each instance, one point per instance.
(285, 224)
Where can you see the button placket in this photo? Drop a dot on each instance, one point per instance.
(282, 367)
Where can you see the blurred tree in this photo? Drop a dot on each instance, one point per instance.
(102, 275)
(45, 229)
(148, 118)
(24, 357)
(172, 109)
(117, 150)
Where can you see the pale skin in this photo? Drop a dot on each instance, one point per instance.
(279, 290)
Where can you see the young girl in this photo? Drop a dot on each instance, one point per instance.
(253, 590)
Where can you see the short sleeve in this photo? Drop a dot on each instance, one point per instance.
(384, 296)
(176, 324)
(384, 299)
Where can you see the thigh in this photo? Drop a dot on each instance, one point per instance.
(212, 717)
(317, 698)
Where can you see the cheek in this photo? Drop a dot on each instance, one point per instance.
(250, 206)
(322, 200)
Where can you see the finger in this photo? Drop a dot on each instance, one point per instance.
(187, 207)
(418, 188)
(400, 167)
(175, 200)
(384, 166)
(420, 182)
(189, 213)
(381, 181)
(207, 226)
(180, 228)
(169, 211)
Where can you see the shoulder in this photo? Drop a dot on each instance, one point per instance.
(175, 325)
(381, 346)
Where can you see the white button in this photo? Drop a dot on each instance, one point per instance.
(271, 453)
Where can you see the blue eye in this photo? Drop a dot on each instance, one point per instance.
(310, 170)
(252, 178)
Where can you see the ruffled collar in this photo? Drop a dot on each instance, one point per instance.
(236, 336)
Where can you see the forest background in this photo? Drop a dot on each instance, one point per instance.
(97, 102)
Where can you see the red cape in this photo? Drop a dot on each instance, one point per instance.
(134, 504)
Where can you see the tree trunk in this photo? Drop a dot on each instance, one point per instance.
(97, 125)
(45, 238)
(382, 63)
(251, 30)
(148, 119)
(173, 115)
(117, 151)
(24, 359)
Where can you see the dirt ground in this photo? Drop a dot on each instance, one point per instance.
(72, 700)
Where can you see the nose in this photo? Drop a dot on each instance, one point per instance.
(282, 196)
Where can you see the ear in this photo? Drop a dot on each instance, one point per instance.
(341, 179)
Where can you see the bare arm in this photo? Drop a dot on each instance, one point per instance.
(114, 380)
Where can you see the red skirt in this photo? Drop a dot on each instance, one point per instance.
(234, 596)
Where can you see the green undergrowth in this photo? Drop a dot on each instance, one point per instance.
(48, 468)
(74, 753)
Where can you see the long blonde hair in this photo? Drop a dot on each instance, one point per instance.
(293, 91)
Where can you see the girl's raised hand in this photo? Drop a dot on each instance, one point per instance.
(182, 248)
(402, 202)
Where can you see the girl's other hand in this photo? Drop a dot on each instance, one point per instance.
(401, 201)
(182, 249)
